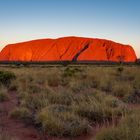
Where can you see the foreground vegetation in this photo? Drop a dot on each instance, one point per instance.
(127, 129)
(71, 101)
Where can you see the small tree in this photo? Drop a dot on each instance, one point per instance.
(121, 58)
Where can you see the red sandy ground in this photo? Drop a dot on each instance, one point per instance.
(12, 127)
(19, 130)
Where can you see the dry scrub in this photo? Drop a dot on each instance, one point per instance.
(69, 101)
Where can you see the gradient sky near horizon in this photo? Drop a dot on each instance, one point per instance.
(117, 20)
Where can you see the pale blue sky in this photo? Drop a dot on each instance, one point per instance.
(118, 20)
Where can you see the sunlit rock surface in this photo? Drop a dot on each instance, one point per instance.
(68, 49)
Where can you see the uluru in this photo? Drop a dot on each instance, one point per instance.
(68, 49)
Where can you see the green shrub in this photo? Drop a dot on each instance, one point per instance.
(120, 69)
(90, 111)
(22, 113)
(69, 72)
(136, 84)
(93, 110)
(35, 102)
(6, 77)
(111, 101)
(60, 98)
(76, 86)
(64, 81)
(122, 89)
(34, 88)
(93, 82)
(3, 95)
(53, 79)
(64, 100)
(107, 85)
(99, 108)
(129, 75)
(128, 129)
(57, 121)
(133, 97)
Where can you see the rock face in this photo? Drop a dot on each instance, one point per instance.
(68, 49)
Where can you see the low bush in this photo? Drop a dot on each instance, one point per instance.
(64, 101)
(34, 88)
(122, 89)
(64, 81)
(128, 129)
(34, 102)
(107, 84)
(93, 82)
(120, 69)
(111, 101)
(63, 98)
(3, 95)
(90, 111)
(6, 77)
(133, 98)
(57, 121)
(54, 79)
(69, 72)
(100, 108)
(21, 113)
(76, 86)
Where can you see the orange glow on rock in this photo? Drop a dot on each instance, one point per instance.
(68, 48)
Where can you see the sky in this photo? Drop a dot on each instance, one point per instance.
(117, 20)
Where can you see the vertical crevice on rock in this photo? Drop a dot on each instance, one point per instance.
(79, 53)
(67, 49)
(109, 51)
